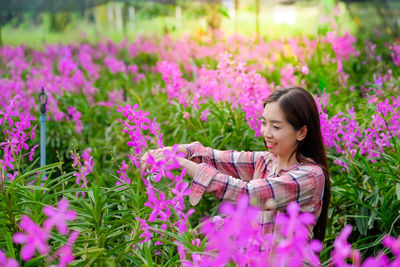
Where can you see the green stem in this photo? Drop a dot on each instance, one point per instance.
(11, 217)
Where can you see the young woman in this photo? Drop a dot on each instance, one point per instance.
(294, 168)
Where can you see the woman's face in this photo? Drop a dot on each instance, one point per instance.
(279, 135)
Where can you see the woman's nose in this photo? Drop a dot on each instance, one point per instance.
(265, 131)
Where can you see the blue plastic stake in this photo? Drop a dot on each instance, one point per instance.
(43, 102)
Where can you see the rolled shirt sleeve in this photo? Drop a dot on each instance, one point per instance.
(237, 164)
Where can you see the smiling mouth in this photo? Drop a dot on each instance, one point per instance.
(270, 145)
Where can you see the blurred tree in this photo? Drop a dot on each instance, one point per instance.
(59, 10)
(236, 14)
(5, 16)
(125, 15)
(59, 21)
(257, 10)
(214, 16)
(376, 17)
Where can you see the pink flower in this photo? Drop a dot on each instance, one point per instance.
(159, 206)
(5, 262)
(394, 245)
(58, 217)
(76, 117)
(288, 77)
(204, 114)
(65, 253)
(12, 176)
(304, 70)
(66, 66)
(115, 65)
(343, 250)
(133, 69)
(342, 45)
(395, 53)
(35, 238)
(186, 115)
(146, 230)
(83, 170)
(88, 159)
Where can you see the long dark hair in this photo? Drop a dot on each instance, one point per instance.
(300, 109)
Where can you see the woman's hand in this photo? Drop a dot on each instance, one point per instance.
(157, 155)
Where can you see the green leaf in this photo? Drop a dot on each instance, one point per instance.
(223, 12)
(10, 246)
(362, 222)
(398, 191)
(47, 167)
(35, 187)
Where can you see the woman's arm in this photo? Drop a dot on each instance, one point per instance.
(237, 164)
(190, 166)
(301, 185)
(240, 165)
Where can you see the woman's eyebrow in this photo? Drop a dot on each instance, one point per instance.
(273, 121)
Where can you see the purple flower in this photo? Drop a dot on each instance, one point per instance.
(133, 69)
(295, 248)
(394, 245)
(146, 230)
(6, 262)
(181, 190)
(395, 53)
(12, 176)
(35, 238)
(343, 251)
(115, 65)
(76, 117)
(65, 253)
(88, 159)
(82, 169)
(58, 217)
(160, 206)
(122, 172)
(182, 255)
(66, 66)
(204, 114)
(16, 132)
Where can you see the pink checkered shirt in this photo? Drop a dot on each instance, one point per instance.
(229, 174)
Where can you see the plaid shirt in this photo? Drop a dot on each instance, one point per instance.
(229, 174)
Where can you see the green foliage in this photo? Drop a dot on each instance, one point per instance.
(366, 194)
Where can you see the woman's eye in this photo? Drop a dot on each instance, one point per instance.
(276, 127)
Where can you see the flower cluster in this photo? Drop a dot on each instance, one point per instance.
(344, 133)
(229, 82)
(83, 168)
(395, 53)
(6, 262)
(343, 253)
(36, 237)
(76, 117)
(237, 238)
(141, 130)
(17, 131)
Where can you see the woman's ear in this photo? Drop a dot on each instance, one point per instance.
(302, 133)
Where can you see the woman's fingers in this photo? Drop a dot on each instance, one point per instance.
(144, 161)
(157, 155)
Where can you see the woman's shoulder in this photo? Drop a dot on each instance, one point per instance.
(266, 156)
(310, 167)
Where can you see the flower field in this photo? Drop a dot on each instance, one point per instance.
(109, 103)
